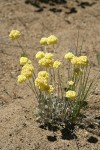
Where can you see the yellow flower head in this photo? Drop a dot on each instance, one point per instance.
(43, 41)
(74, 60)
(52, 40)
(81, 61)
(43, 74)
(40, 55)
(69, 56)
(70, 83)
(47, 61)
(27, 73)
(23, 60)
(41, 83)
(21, 79)
(48, 55)
(71, 94)
(44, 62)
(28, 67)
(56, 64)
(14, 34)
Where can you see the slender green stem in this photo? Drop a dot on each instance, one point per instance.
(68, 70)
(60, 83)
(81, 46)
(21, 47)
(77, 44)
(33, 90)
(84, 83)
(51, 79)
(54, 78)
(35, 87)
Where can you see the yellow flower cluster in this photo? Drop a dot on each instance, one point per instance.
(81, 61)
(69, 56)
(23, 60)
(14, 34)
(56, 64)
(49, 41)
(52, 40)
(27, 73)
(40, 55)
(47, 60)
(21, 79)
(43, 41)
(48, 55)
(28, 66)
(42, 82)
(71, 94)
(43, 74)
(70, 83)
(27, 69)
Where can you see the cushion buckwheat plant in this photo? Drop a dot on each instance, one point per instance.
(60, 92)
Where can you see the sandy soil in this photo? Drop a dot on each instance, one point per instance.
(18, 128)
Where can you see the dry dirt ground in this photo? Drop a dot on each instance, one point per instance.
(18, 128)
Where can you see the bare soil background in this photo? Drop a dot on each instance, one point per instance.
(18, 127)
